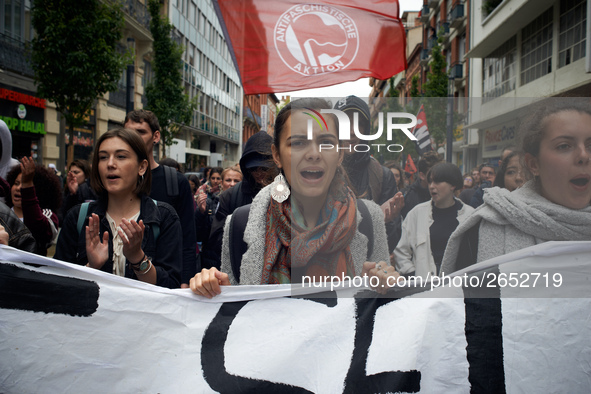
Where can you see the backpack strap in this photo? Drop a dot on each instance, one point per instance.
(156, 226)
(84, 211)
(237, 244)
(366, 226)
(170, 178)
(82, 216)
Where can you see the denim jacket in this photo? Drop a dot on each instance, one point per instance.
(166, 252)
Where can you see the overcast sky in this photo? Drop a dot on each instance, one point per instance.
(360, 87)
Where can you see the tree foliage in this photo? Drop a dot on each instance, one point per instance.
(74, 54)
(436, 85)
(165, 94)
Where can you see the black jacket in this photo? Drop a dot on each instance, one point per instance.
(19, 235)
(416, 195)
(478, 196)
(256, 150)
(166, 252)
(203, 223)
(83, 194)
(358, 167)
(184, 208)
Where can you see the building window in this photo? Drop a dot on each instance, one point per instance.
(15, 19)
(536, 48)
(148, 73)
(573, 27)
(499, 70)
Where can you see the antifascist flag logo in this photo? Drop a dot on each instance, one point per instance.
(314, 39)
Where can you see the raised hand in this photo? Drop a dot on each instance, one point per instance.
(72, 183)
(28, 171)
(392, 207)
(201, 200)
(132, 234)
(97, 252)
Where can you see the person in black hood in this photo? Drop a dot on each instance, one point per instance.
(368, 178)
(255, 163)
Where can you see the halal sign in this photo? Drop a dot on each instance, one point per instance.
(315, 39)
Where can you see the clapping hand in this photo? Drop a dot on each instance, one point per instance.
(132, 234)
(201, 200)
(97, 252)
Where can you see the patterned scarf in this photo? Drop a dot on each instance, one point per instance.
(317, 252)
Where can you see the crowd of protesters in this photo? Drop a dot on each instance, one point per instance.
(289, 209)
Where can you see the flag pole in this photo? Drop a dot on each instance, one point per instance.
(450, 116)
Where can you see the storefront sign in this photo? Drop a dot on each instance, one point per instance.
(498, 137)
(22, 112)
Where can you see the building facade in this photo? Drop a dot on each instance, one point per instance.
(214, 137)
(522, 51)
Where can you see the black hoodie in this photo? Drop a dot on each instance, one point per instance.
(256, 153)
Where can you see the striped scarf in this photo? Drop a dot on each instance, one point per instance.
(317, 252)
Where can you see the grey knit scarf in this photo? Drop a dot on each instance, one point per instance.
(511, 221)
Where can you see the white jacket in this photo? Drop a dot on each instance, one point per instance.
(413, 252)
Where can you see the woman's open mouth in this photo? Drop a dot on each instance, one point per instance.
(580, 182)
(312, 175)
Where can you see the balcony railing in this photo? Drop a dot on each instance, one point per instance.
(14, 56)
(432, 42)
(443, 28)
(425, 13)
(424, 56)
(137, 11)
(457, 71)
(457, 16)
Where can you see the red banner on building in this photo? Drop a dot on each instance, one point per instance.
(281, 46)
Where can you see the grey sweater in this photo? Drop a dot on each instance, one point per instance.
(251, 269)
(511, 221)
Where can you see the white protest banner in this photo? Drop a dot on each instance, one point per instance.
(66, 328)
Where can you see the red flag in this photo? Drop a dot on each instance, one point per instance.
(421, 131)
(281, 46)
(410, 165)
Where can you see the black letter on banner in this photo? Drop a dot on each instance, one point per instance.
(34, 291)
(484, 335)
(357, 380)
(212, 359)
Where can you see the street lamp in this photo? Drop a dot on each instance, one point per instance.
(129, 93)
(450, 117)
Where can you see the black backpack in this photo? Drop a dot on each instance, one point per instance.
(170, 178)
(238, 226)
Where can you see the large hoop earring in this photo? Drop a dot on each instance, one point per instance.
(280, 189)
